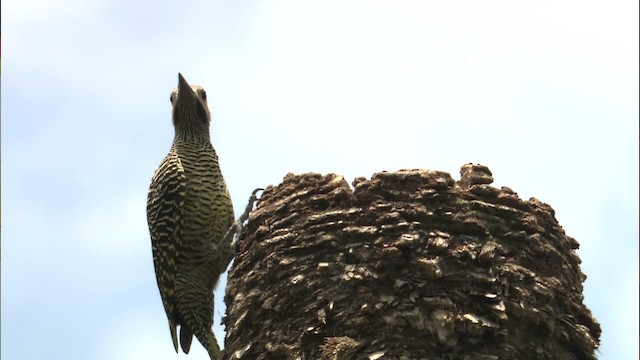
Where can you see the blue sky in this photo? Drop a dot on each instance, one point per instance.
(545, 93)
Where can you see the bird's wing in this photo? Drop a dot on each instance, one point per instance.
(164, 215)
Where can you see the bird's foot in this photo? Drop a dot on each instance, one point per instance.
(234, 232)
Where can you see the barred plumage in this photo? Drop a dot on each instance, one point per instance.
(189, 210)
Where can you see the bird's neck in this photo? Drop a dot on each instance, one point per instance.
(193, 135)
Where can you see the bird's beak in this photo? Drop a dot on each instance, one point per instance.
(184, 88)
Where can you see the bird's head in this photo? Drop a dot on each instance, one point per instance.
(191, 117)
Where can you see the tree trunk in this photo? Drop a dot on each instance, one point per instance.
(407, 265)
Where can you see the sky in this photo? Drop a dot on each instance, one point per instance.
(544, 93)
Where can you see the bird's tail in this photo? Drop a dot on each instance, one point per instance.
(185, 338)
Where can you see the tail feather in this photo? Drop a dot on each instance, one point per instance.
(212, 347)
(186, 336)
(174, 336)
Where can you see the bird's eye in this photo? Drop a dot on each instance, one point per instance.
(203, 94)
(171, 97)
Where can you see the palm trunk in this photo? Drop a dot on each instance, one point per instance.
(407, 265)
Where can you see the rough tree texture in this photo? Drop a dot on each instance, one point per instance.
(408, 265)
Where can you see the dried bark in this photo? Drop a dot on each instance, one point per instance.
(407, 265)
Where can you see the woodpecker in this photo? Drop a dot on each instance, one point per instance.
(189, 211)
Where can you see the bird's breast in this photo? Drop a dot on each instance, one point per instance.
(207, 209)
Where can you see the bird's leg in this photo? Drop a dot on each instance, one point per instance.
(233, 234)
